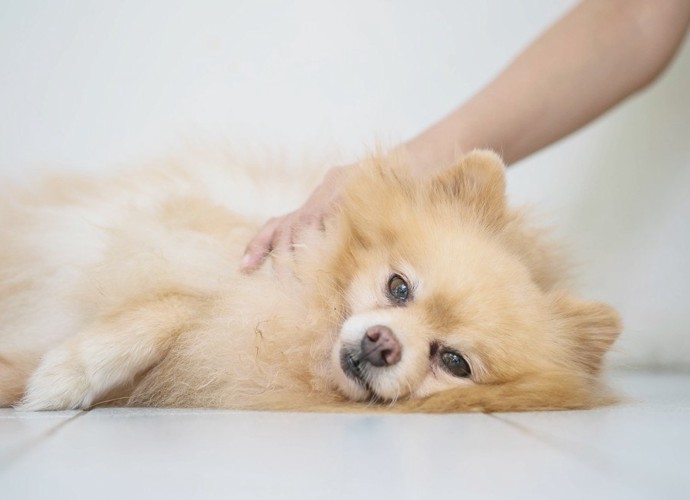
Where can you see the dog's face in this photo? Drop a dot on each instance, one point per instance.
(428, 319)
(436, 297)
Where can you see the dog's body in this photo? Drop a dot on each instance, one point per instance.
(431, 294)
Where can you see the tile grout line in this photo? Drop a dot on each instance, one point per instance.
(563, 446)
(586, 455)
(11, 456)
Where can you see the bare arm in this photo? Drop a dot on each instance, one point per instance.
(591, 59)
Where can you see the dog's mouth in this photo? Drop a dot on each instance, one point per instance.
(354, 369)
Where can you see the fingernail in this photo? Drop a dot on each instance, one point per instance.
(246, 262)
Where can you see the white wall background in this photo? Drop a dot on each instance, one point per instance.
(87, 85)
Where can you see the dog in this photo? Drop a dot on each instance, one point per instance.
(416, 296)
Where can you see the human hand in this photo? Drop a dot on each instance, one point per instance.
(279, 234)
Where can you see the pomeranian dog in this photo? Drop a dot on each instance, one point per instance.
(422, 296)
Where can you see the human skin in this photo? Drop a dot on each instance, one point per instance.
(594, 57)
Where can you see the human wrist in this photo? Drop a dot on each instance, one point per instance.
(430, 152)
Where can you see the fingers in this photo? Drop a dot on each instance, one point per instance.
(279, 235)
(282, 247)
(260, 246)
(286, 237)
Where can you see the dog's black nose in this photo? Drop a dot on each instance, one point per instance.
(380, 347)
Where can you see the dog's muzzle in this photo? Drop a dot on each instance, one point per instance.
(379, 347)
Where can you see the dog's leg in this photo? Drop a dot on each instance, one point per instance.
(15, 369)
(108, 354)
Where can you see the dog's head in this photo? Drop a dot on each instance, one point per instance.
(440, 303)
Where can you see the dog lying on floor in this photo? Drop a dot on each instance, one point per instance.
(420, 296)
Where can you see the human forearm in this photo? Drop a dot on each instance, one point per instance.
(591, 59)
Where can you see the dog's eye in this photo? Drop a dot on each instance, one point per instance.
(455, 364)
(398, 289)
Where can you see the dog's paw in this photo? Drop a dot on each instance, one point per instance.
(59, 383)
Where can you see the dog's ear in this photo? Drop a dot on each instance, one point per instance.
(590, 329)
(478, 182)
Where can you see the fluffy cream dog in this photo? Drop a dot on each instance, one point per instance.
(431, 295)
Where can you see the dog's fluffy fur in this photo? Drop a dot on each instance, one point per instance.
(129, 293)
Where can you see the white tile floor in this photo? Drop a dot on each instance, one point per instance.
(640, 449)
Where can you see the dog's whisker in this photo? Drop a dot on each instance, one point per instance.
(107, 401)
